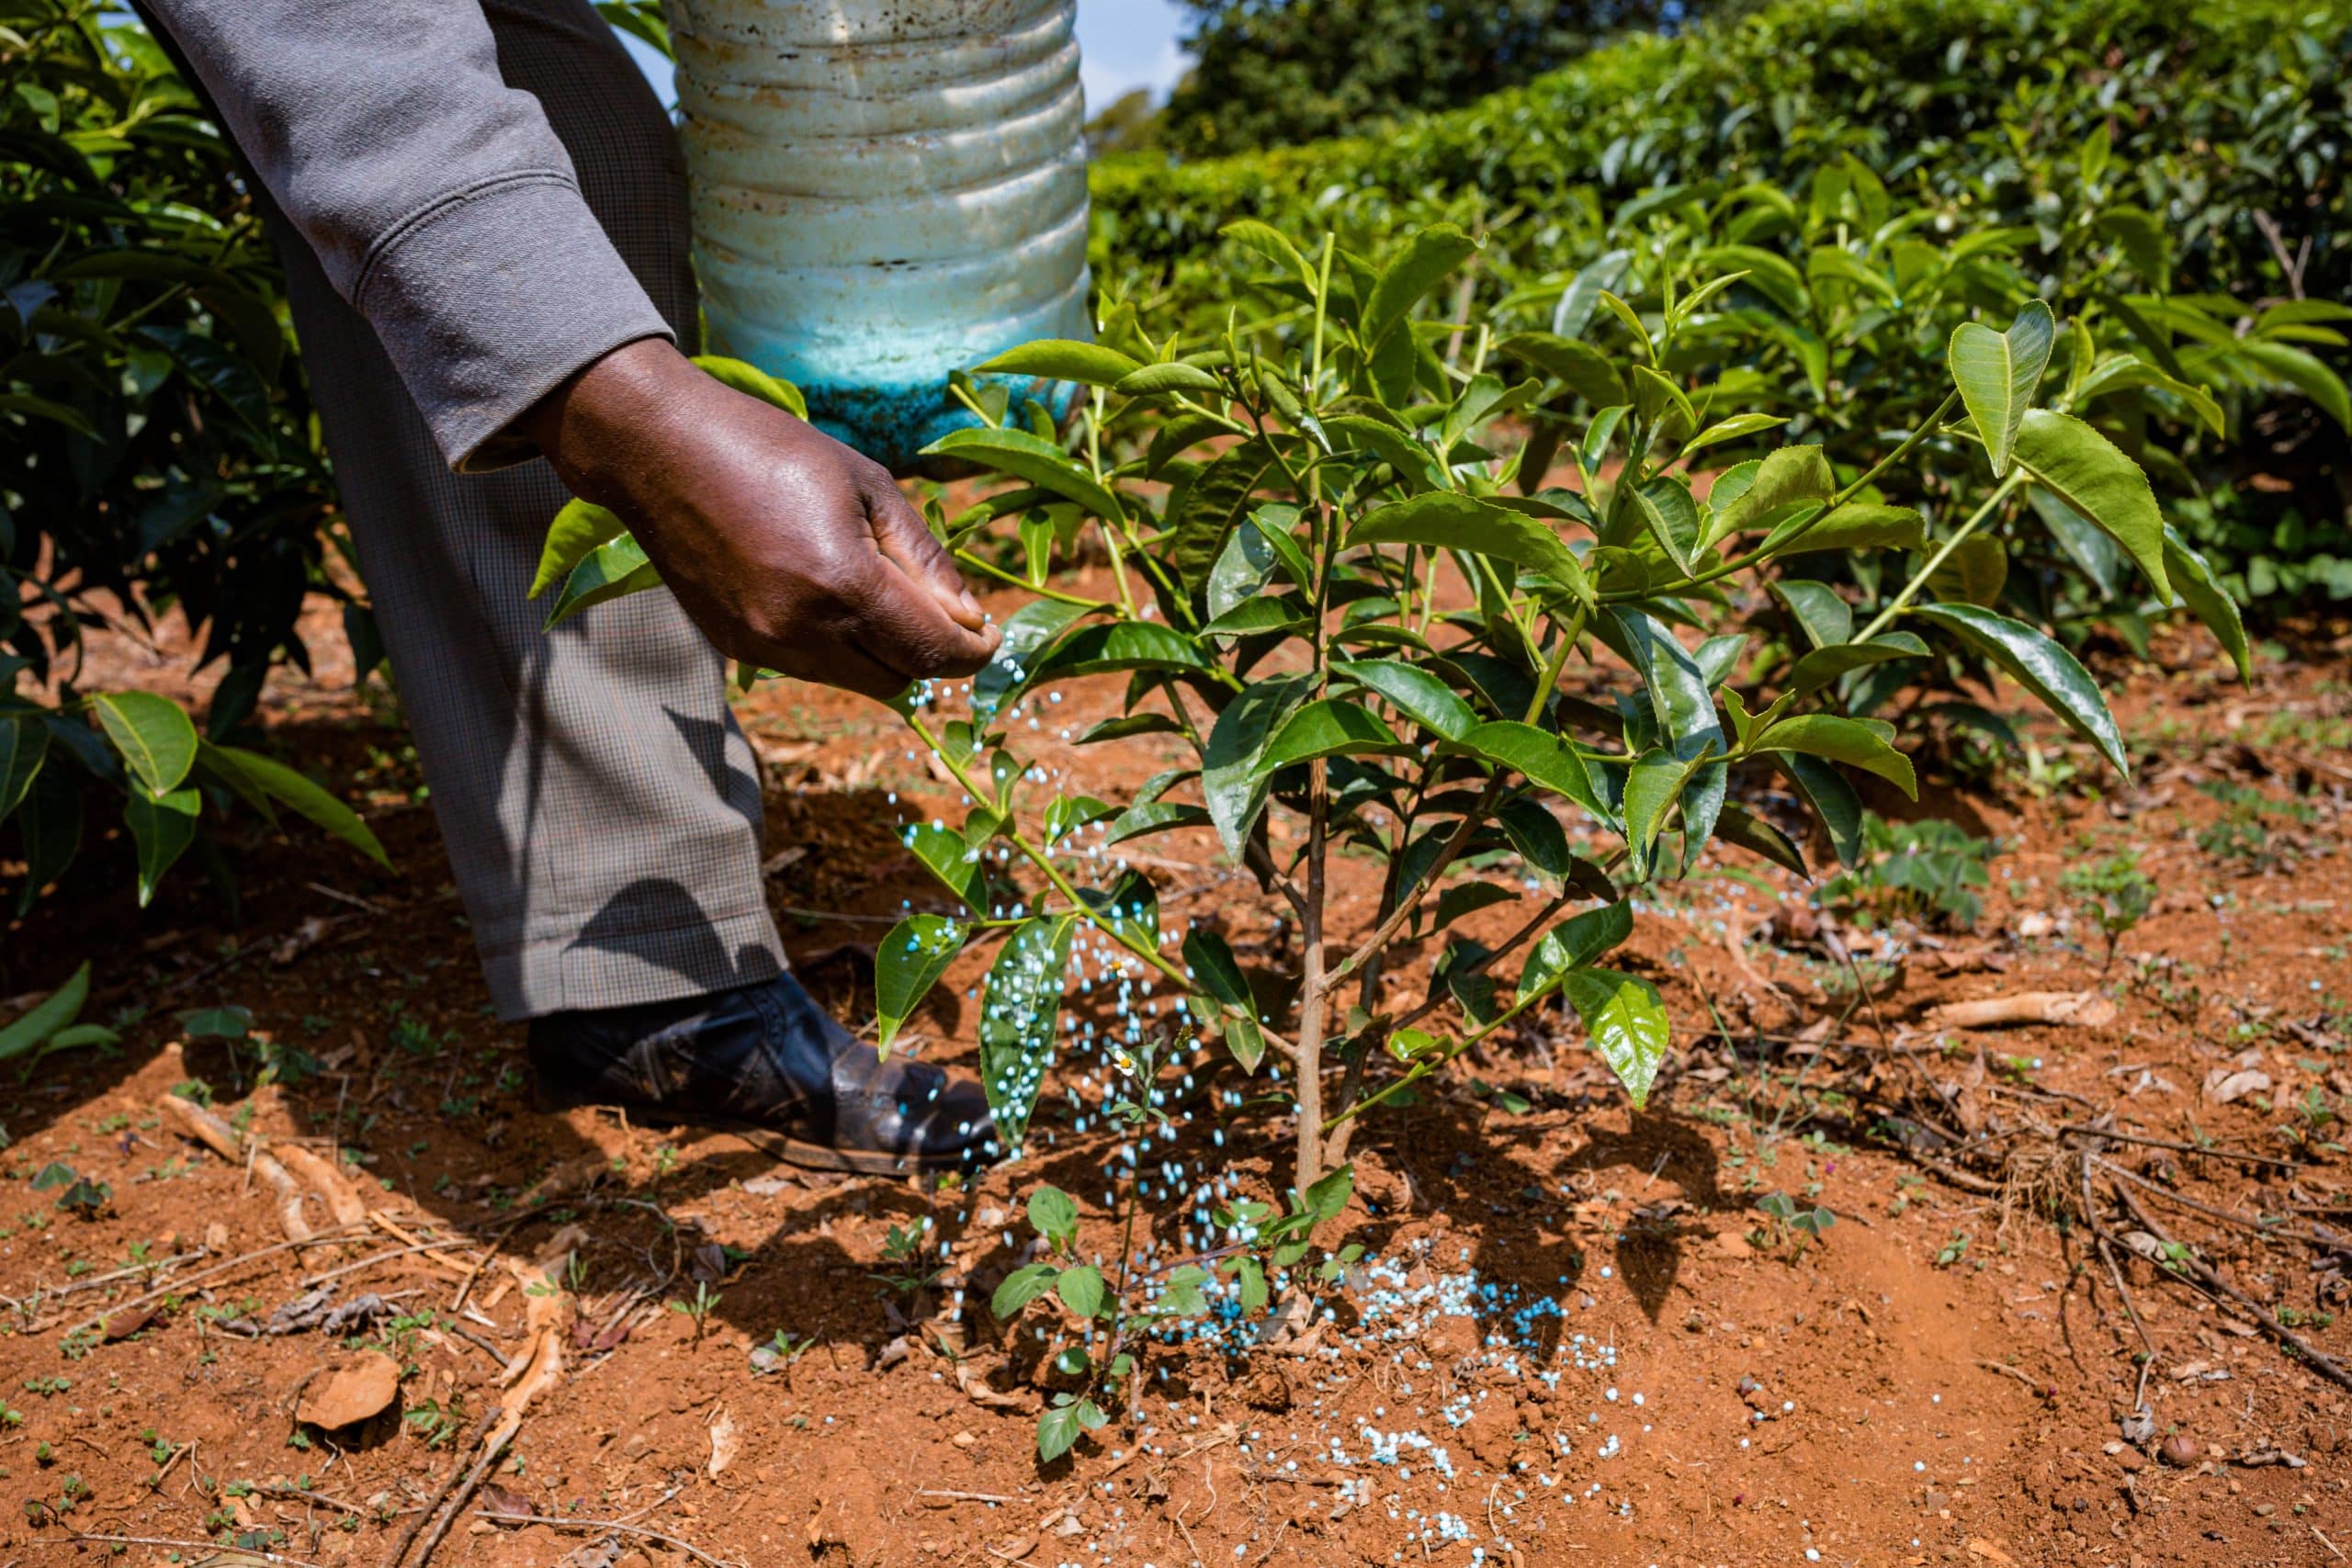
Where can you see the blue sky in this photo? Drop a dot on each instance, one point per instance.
(1123, 44)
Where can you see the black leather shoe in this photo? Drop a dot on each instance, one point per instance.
(765, 1057)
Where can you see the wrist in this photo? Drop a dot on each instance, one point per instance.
(600, 426)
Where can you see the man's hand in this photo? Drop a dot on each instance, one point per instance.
(789, 551)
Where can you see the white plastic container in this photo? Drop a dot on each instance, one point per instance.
(883, 191)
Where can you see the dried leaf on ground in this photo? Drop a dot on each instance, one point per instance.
(2085, 1009)
(723, 1440)
(361, 1389)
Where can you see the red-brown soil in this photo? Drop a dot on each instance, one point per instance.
(1582, 1307)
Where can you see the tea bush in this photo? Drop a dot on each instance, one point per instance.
(159, 453)
(1334, 583)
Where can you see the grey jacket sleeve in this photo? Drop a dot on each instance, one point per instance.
(439, 199)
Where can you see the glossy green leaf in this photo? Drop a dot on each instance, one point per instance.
(1828, 664)
(1026, 631)
(1626, 1019)
(616, 568)
(753, 382)
(1999, 372)
(578, 529)
(1576, 943)
(1834, 802)
(162, 826)
(2193, 580)
(1021, 1287)
(1857, 526)
(1449, 520)
(1819, 611)
(1232, 782)
(1203, 513)
(1020, 1014)
(155, 736)
(1542, 758)
(1041, 462)
(1275, 246)
(1585, 370)
(2092, 475)
(306, 800)
(1218, 974)
(1328, 727)
(1105, 647)
(1152, 817)
(944, 853)
(46, 1017)
(1860, 743)
(1745, 829)
(2042, 666)
(1424, 260)
(1062, 359)
(24, 741)
(1157, 380)
(1652, 786)
(907, 964)
(1415, 692)
(1672, 518)
(1788, 477)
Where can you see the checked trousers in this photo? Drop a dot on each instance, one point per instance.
(600, 804)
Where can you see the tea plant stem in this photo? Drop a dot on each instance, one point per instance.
(1038, 857)
(2008, 488)
(992, 569)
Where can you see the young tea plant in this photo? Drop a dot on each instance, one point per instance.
(1140, 1298)
(2114, 893)
(1342, 584)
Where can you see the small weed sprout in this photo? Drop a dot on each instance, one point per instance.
(2114, 893)
(698, 1307)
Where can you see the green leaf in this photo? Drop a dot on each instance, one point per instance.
(1819, 611)
(2194, 581)
(1788, 477)
(1833, 801)
(1574, 944)
(1463, 898)
(1330, 727)
(1020, 1009)
(1232, 782)
(2042, 666)
(1652, 785)
(1421, 696)
(611, 571)
(1081, 1289)
(1255, 617)
(45, 1017)
(1107, 646)
(1973, 573)
(1153, 817)
(2091, 474)
(1544, 758)
(752, 381)
(1060, 1428)
(1825, 665)
(1275, 246)
(1026, 630)
(49, 824)
(156, 737)
(1857, 526)
(578, 529)
(1730, 429)
(24, 741)
(1860, 743)
(1587, 372)
(2124, 372)
(1218, 973)
(1021, 1287)
(1415, 464)
(299, 794)
(1063, 359)
(908, 963)
(1584, 291)
(2285, 364)
(1626, 1022)
(1041, 462)
(1426, 258)
(1242, 569)
(1154, 380)
(1054, 1215)
(1681, 696)
(1672, 518)
(1997, 373)
(1449, 520)
(1203, 512)
(946, 855)
(1745, 829)
(162, 826)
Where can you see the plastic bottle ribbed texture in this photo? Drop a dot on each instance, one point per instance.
(883, 191)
